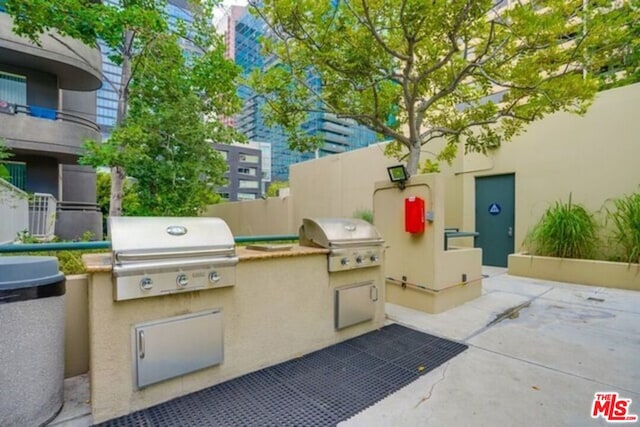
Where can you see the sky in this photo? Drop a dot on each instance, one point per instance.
(220, 22)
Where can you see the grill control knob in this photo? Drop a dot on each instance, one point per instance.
(146, 283)
(214, 277)
(374, 258)
(344, 261)
(182, 280)
(359, 259)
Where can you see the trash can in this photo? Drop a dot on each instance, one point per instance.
(31, 340)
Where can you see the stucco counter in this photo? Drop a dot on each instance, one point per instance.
(101, 263)
(281, 307)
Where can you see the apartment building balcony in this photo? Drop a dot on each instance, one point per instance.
(335, 139)
(341, 129)
(44, 131)
(77, 66)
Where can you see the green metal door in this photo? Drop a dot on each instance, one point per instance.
(495, 213)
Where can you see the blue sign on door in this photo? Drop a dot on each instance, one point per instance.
(494, 209)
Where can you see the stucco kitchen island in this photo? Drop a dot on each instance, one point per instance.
(281, 307)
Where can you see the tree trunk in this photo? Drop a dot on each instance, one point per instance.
(117, 184)
(414, 159)
(117, 172)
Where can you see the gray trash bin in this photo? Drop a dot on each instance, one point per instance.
(31, 340)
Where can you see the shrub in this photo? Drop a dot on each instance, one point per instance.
(69, 261)
(365, 214)
(4, 155)
(625, 220)
(566, 230)
(275, 187)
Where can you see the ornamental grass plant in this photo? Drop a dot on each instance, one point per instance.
(566, 230)
(624, 222)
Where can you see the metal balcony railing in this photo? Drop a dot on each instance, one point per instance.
(47, 114)
(42, 216)
(17, 173)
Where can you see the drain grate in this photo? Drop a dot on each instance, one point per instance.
(319, 389)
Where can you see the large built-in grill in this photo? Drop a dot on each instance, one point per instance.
(353, 243)
(154, 256)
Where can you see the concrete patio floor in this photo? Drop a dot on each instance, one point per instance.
(538, 352)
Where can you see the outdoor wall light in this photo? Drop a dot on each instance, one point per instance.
(398, 174)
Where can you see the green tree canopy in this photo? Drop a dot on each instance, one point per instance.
(163, 142)
(170, 100)
(4, 155)
(416, 70)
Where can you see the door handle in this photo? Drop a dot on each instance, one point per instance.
(141, 344)
(510, 232)
(373, 293)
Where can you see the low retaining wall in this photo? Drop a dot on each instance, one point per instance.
(581, 271)
(14, 211)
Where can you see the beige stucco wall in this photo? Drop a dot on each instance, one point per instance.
(343, 184)
(589, 272)
(338, 185)
(437, 279)
(333, 186)
(280, 308)
(594, 157)
(257, 217)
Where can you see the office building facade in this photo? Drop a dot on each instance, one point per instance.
(338, 135)
(244, 176)
(107, 98)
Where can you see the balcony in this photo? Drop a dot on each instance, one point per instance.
(341, 129)
(46, 131)
(77, 66)
(335, 139)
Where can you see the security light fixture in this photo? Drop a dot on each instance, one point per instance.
(398, 174)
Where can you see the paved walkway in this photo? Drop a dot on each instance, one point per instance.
(539, 351)
(539, 366)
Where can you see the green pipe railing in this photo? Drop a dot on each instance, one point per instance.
(266, 238)
(105, 244)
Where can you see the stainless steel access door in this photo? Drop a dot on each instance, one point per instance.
(354, 304)
(175, 346)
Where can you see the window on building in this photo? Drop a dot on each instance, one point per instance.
(224, 154)
(224, 196)
(248, 184)
(248, 171)
(249, 158)
(13, 88)
(246, 196)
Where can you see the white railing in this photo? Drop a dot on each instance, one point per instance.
(14, 212)
(42, 216)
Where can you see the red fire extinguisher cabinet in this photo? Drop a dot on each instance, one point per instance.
(414, 214)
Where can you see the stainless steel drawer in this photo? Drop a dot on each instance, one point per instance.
(354, 304)
(175, 346)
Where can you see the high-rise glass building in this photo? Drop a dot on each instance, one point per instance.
(339, 135)
(107, 102)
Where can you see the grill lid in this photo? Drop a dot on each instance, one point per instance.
(136, 239)
(338, 232)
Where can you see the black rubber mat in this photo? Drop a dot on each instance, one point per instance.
(322, 388)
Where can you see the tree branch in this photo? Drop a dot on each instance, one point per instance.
(368, 24)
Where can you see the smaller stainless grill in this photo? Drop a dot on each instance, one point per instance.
(353, 243)
(154, 256)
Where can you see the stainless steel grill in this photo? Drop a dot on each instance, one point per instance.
(154, 256)
(353, 243)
